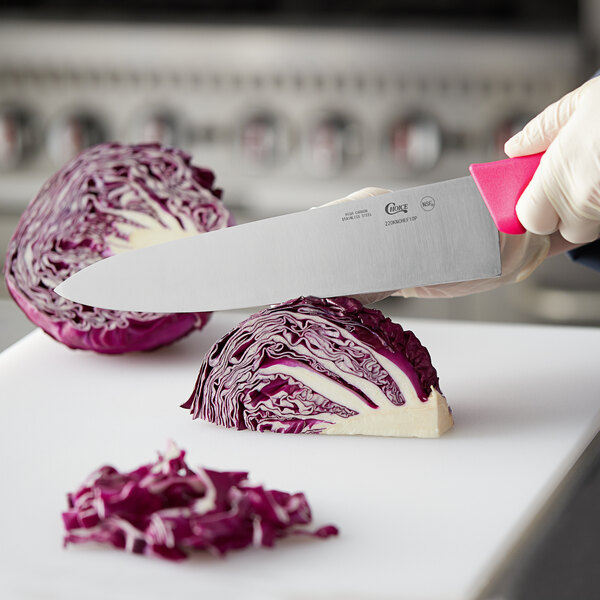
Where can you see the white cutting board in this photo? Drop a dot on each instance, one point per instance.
(419, 519)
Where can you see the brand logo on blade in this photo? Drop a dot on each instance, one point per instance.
(427, 203)
(393, 209)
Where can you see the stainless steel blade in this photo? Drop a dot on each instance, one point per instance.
(431, 234)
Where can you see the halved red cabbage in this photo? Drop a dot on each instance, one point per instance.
(166, 509)
(330, 366)
(109, 199)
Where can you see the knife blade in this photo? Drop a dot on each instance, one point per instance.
(437, 233)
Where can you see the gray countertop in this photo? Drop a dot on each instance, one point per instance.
(13, 324)
(557, 556)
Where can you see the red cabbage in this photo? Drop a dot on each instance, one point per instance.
(321, 366)
(166, 509)
(109, 199)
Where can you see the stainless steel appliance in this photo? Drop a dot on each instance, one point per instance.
(289, 115)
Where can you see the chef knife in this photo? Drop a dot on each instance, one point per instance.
(438, 233)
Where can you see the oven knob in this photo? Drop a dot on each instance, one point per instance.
(263, 140)
(70, 134)
(158, 127)
(333, 143)
(16, 137)
(416, 143)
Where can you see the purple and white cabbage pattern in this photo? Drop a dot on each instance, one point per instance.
(314, 365)
(166, 509)
(110, 198)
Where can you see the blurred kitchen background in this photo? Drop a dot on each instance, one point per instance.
(294, 103)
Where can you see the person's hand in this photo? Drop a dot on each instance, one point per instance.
(361, 194)
(520, 256)
(564, 193)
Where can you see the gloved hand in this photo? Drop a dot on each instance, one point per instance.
(564, 193)
(361, 195)
(520, 256)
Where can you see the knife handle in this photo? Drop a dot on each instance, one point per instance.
(501, 184)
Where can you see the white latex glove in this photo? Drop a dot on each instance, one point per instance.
(564, 193)
(520, 256)
(361, 195)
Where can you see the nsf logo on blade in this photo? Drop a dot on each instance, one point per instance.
(391, 208)
(427, 203)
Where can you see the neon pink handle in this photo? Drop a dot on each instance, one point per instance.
(501, 184)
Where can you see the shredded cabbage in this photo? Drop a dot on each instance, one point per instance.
(166, 509)
(109, 199)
